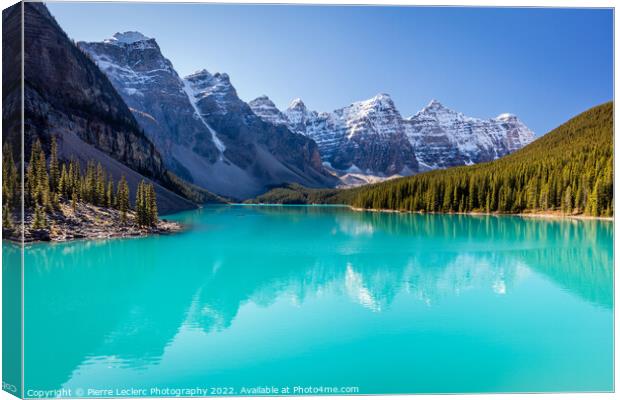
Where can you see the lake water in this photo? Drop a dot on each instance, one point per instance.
(313, 298)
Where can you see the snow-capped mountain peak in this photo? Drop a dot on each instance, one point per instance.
(267, 110)
(381, 98)
(128, 37)
(298, 115)
(297, 104)
(201, 73)
(436, 109)
(216, 87)
(506, 117)
(380, 103)
(434, 104)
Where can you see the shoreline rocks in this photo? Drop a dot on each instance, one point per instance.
(87, 222)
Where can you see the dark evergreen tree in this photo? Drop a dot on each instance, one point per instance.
(39, 220)
(110, 194)
(7, 218)
(100, 192)
(152, 205)
(54, 167)
(10, 179)
(122, 196)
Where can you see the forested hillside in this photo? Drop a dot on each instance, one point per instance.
(570, 169)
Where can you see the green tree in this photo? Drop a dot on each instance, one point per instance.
(110, 194)
(567, 205)
(10, 180)
(122, 197)
(140, 205)
(100, 194)
(7, 218)
(32, 183)
(54, 175)
(74, 198)
(152, 205)
(39, 220)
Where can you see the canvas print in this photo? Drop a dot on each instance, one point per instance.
(236, 200)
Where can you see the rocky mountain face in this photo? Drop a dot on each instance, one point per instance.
(155, 94)
(445, 138)
(267, 110)
(365, 137)
(370, 137)
(67, 96)
(206, 133)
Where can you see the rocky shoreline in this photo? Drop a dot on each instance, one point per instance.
(87, 222)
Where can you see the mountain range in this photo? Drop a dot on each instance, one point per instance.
(206, 133)
(121, 102)
(212, 138)
(371, 136)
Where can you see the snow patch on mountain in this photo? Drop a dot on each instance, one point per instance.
(126, 38)
(267, 111)
(193, 94)
(215, 86)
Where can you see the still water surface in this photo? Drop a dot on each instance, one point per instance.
(323, 296)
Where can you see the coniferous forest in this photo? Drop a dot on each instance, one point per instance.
(50, 184)
(568, 170)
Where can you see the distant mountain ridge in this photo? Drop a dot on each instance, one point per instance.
(371, 136)
(206, 133)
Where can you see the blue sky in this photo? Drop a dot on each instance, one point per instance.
(545, 65)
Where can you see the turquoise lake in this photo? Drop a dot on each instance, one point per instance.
(311, 297)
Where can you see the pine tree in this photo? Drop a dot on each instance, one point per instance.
(110, 194)
(75, 179)
(567, 205)
(10, 183)
(39, 220)
(153, 217)
(146, 205)
(63, 182)
(54, 168)
(122, 196)
(101, 186)
(42, 179)
(90, 183)
(37, 178)
(74, 198)
(7, 219)
(140, 205)
(32, 183)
